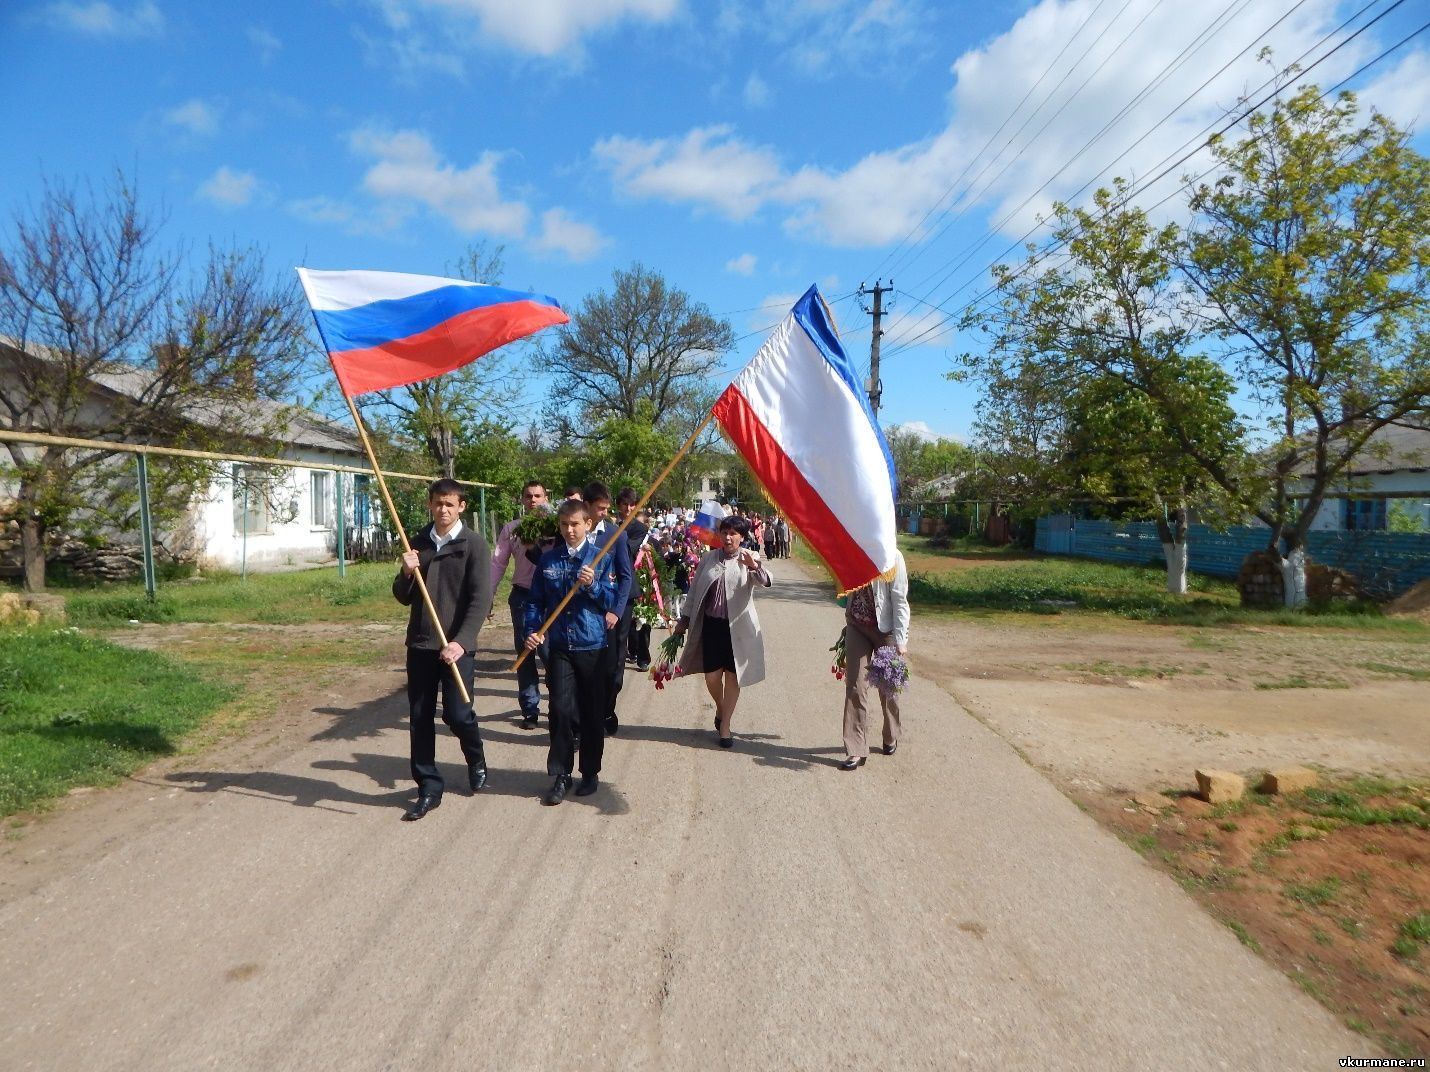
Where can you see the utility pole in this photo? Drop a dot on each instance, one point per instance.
(875, 385)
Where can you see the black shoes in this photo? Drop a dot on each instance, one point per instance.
(613, 725)
(425, 802)
(557, 793)
(642, 668)
(528, 720)
(890, 749)
(727, 742)
(477, 777)
(588, 785)
(852, 763)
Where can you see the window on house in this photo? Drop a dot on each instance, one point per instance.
(322, 484)
(1364, 515)
(250, 493)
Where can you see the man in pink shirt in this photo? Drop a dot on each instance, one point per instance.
(508, 547)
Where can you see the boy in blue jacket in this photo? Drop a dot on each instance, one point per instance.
(575, 685)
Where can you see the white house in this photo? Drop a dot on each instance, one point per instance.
(264, 516)
(1390, 475)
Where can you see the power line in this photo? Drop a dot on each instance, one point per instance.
(991, 233)
(990, 291)
(993, 137)
(1198, 143)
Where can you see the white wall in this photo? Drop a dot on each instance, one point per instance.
(1410, 489)
(292, 537)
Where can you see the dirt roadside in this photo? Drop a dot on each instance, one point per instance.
(1120, 715)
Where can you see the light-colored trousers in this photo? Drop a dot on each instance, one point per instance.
(860, 643)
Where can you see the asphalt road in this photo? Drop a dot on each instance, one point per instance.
(944, 908)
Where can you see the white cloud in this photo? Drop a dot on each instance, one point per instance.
(410, 174)
(540, 28)
(706, 167)
(757, 92)
(774, 308)
(885, 196)
(744, 264)
(228, 188)
(409, 169)
(923, 431)
(561, 234)
(101, 19)
(265, 42)
(1403, 92)
(195, 116)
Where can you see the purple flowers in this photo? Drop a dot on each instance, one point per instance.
(888, 670)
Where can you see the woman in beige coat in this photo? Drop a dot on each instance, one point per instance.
(724, 641)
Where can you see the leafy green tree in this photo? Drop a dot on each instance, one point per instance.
(623, 452)
(1090, 386)
(1311, 254)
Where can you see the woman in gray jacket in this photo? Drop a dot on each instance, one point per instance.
(724, 641)
(876, 615)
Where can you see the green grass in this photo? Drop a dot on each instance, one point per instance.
(1303, 681)
(1351, 803)
(1314, 894)
(75, 710)
(1243, 935)
(1412, 936)
(1415, 673)
(1002, 579)
(265, 598)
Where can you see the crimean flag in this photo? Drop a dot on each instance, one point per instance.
(799, 417)
(706, 525)
(387, 329)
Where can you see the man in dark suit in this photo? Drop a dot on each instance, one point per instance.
(455, 564)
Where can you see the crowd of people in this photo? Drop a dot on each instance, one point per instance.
(573, 617)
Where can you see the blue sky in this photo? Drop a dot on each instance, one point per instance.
(745, 148)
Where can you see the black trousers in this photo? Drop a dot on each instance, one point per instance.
(640, 643)
(576, 697)
(426, 675)
(614, 661)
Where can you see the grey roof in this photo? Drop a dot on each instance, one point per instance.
(304, 427)
(1395, 448)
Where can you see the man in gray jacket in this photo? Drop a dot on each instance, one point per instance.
(454, 562)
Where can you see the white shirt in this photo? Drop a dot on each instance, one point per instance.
(440, 542)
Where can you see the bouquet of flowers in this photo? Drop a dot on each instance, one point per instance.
(664, 668)
(650, 595)
(888, 670)
(691, 549)
(840, 662)
(537, 526)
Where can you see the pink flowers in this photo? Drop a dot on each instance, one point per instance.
(840, 662)
(666, 668)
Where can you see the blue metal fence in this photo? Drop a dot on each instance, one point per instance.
(1383, 563)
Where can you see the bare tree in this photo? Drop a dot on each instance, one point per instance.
(105, 337)
(645, 342)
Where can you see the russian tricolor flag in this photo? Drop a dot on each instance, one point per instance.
(387, 329)
(706, 525)
(801, 420)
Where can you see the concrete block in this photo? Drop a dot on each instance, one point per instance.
(1219, 787)
(1283, 780)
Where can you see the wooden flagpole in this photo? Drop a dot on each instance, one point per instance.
(402, 534)
(620, 530)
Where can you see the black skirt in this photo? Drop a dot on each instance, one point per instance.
(716, 650)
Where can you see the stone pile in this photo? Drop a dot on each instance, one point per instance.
(1259, 581)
